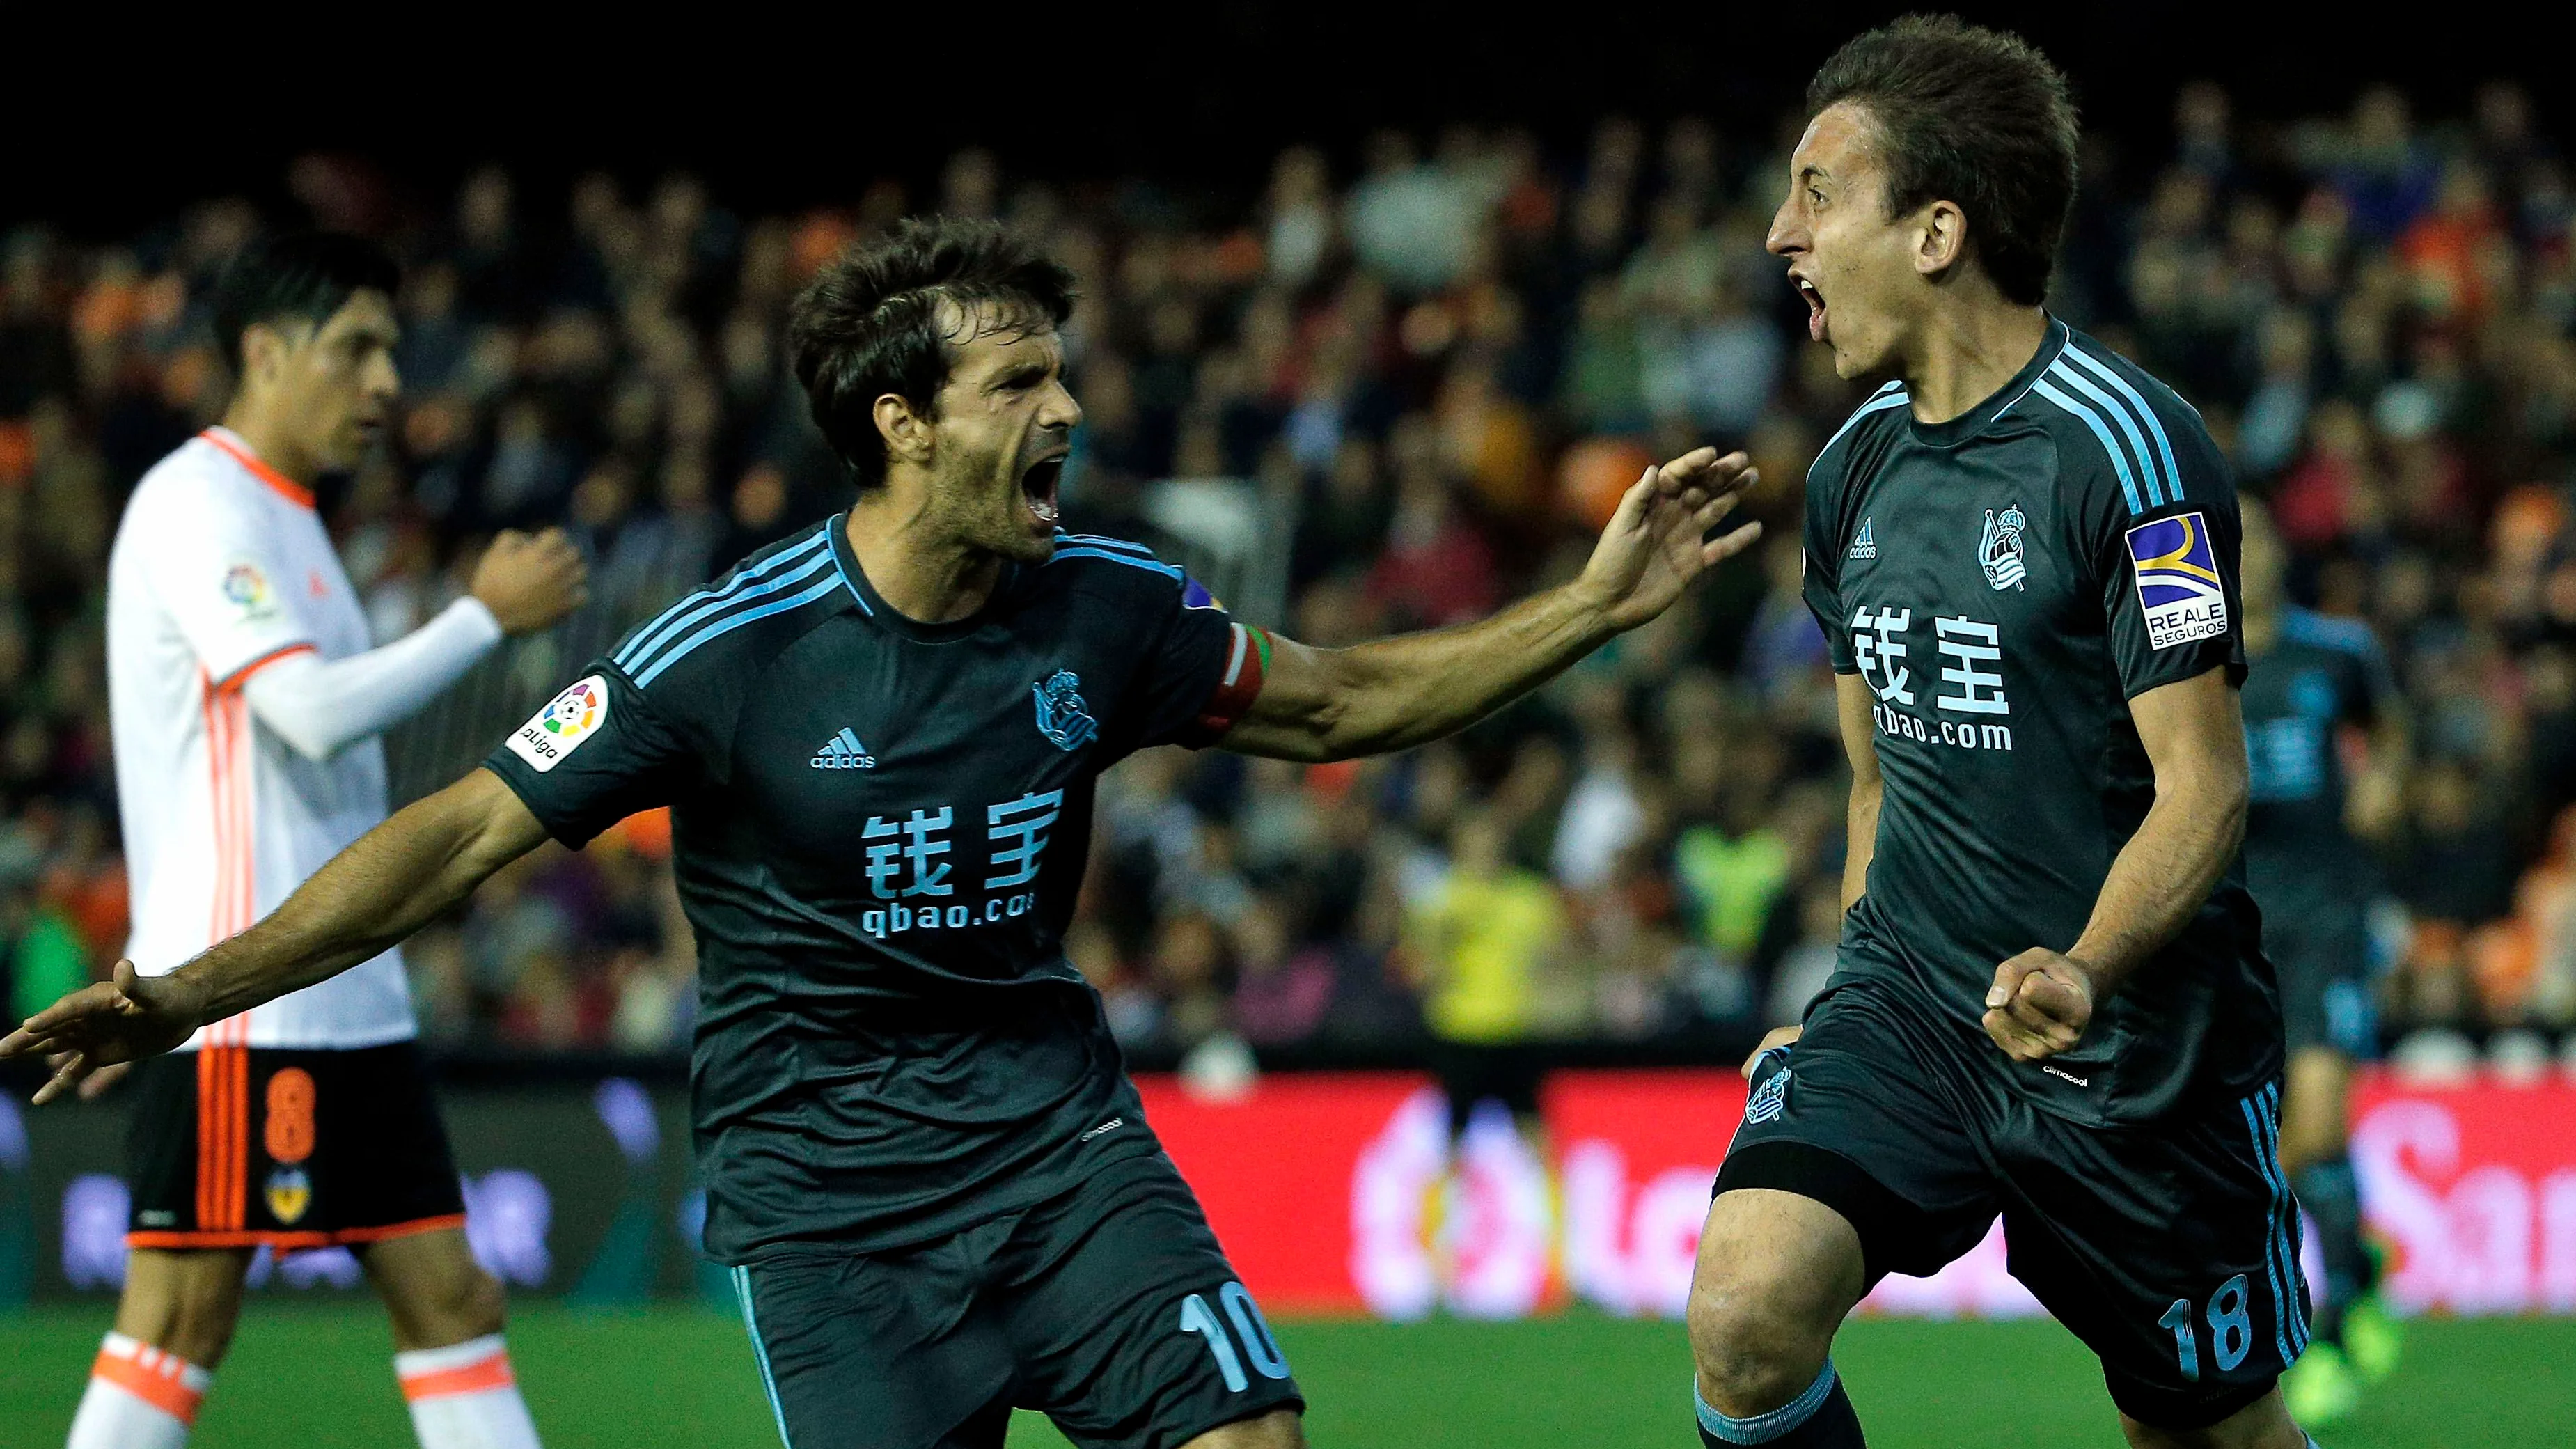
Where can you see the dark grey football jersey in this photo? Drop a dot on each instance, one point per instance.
(879, 827)
(2005, 583)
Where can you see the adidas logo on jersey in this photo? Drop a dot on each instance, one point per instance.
(844, 752)
(1863, 546)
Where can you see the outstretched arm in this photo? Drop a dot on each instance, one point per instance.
(1392, 694)
(386, 885)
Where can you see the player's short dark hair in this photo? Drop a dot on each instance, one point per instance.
(305, 275)
(872, 322)
(1974, 116)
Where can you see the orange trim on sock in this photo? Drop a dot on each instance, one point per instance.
(164, 1393)
(473, 1378)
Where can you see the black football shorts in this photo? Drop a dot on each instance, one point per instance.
(2171, 1250)
(236, 1147)
(1110, 1308)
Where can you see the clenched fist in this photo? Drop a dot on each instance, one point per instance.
(530, 582)
(2040, 1004)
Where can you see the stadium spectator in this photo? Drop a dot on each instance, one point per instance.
(1429, 370)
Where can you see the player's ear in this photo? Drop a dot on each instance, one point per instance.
(906, 431)
(263, 351)
(1941, 237)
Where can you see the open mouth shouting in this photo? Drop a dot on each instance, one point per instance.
(1815, 301)
(1037, 487)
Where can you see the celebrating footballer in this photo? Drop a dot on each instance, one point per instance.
(879, 739)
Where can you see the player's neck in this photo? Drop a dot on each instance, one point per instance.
(263, 429)
(1966, 351)
(921, 572)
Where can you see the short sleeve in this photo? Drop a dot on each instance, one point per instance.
(2168, 570)
(1820, 566)
(226, 587)
(595, 754)
(1199, 670)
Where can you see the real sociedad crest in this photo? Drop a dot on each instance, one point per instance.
(1769, 1099)
(1999, 551)
(1062, 717)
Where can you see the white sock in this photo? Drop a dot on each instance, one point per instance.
(138, 1398)
(463, 1396)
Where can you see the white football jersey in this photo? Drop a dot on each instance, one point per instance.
(220, 568)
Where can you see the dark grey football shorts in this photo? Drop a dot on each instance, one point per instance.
(1110, 1308)
(2171, 1249)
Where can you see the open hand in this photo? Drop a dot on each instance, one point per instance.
(1657, 542)
(2040, 1004)
(104, 1025)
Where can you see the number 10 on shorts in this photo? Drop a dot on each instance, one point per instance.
(1249, 1326)
(2231, 1328)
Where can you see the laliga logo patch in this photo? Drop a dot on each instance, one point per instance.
(246, 589)
(558, 729)
(1062, 717)
(1769, 1099)
(2176, 571)
(1195, 595)
(1999, 550)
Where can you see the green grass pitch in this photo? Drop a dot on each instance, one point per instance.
(318, 1375)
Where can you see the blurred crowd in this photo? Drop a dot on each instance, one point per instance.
(1442, 361)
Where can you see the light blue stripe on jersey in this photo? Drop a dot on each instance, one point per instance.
(723, 611)
(668, 620)
(760, 1351)
(736, 620)
(2128, 426)
(1890, 396)
(2164, 445)
(2110, 445)
(707, 601)
(1129, 559)
(856, 597)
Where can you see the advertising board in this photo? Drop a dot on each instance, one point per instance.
(1345, 1193)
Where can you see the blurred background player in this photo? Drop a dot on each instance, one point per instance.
(246, 703)
(2309, 679)
(1479, 948)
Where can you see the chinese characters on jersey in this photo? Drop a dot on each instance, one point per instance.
(910, 858)
(1970, 681)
